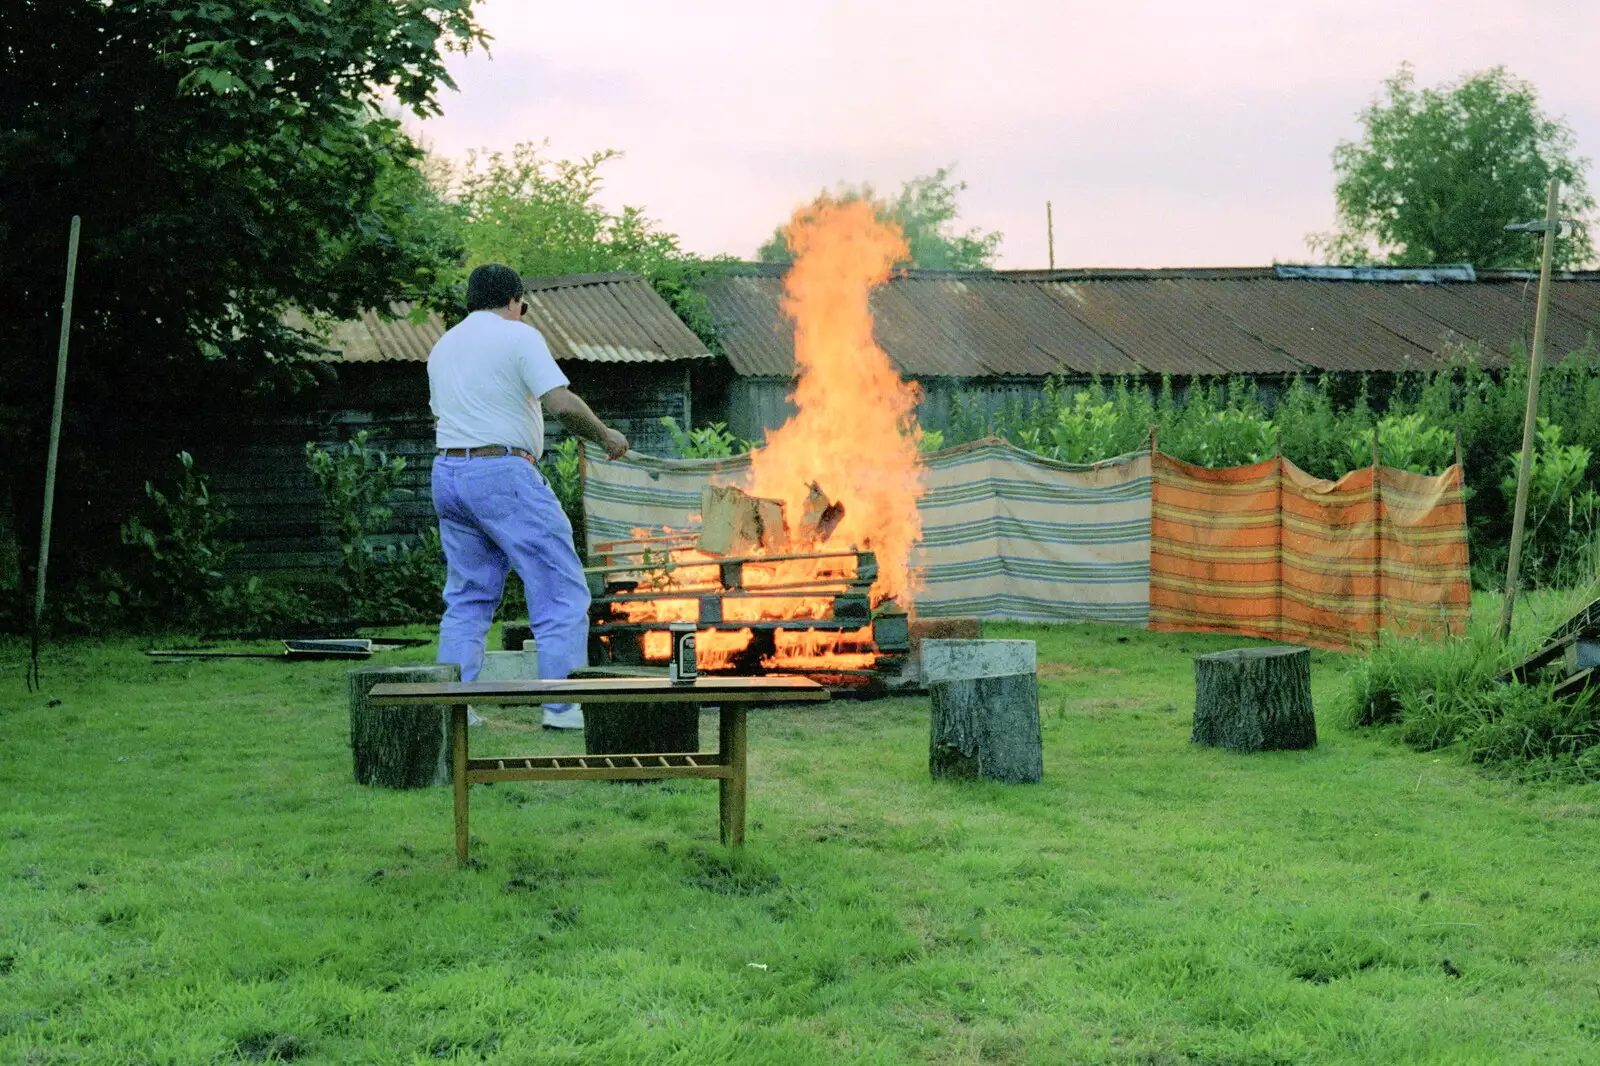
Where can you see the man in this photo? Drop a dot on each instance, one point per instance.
(487, 377)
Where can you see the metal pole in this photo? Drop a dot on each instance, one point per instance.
(1050, 231)
(1530, 418)
(55, 447)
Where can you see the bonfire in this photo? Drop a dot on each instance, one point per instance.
(798, 562)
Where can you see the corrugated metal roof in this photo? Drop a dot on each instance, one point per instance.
(603, 318)
(1213, 320)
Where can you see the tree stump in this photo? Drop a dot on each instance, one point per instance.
(636, 728)
(1254, 699)
(400, 747)
(985, 720)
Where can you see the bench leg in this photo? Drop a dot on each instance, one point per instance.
(458, 776)
(731, 726)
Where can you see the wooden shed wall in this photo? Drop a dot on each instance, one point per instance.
(257, 462)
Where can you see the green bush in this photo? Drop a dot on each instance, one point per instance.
(713, 441)
(1406, 442)
(1562, 512)
(561, 470)
(1438, 695)
(356, 481)
(393, 584)
(173, 575)
(179, 551)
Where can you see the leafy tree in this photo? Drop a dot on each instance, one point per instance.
(925, 210)
(544, 217)
(1438, 173)
(229, 159)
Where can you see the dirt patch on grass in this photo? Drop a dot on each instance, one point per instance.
(1052, 670)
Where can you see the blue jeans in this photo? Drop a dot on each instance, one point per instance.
(495, 513)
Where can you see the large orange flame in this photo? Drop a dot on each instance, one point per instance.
(854, 436)
(855, 433)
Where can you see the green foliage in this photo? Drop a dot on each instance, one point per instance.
(182, 549)
(562, 471)
(1219, 426)
(1082, 431)
(407, 580)
(544, 217)
(229, 160)
(1447, 694)
(262, 607)
(175, 575)
(712, 441)
(1438, 173)
(393, 584)
(1314, 427)
(1326, 426)
(1405, 442)
(926, 210)
(1563, 515)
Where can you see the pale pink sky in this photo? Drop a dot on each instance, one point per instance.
(1167, 132)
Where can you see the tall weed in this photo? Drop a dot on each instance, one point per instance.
(1447, 695)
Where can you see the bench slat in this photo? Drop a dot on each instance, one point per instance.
(714, 690)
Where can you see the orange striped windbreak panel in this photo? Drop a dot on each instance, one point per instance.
(1269, 551)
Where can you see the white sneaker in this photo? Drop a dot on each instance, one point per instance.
(570, 718)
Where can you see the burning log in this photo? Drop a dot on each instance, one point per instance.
(735, 523)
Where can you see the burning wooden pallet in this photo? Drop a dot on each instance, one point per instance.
(765, 612)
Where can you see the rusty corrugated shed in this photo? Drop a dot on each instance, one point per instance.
(603, 318)
(1246, 320)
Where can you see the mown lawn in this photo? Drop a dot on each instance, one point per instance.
(188, 874)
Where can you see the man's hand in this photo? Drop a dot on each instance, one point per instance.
(615, 444)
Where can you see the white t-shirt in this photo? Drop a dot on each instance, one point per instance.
(485, 377)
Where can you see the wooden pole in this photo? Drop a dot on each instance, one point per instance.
(1050, 231)
(1277, 454)
(583, 513)
(1530, 418)
(55, 448)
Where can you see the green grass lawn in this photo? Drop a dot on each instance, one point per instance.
(188, 874)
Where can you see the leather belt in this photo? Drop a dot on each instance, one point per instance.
(488, 450)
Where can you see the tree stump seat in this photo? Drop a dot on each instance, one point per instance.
(399, 747)
(985, 710)
(1254, 699)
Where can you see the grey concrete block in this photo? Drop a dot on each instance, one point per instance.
(510, 665)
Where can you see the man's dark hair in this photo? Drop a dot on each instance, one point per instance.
(491, 286)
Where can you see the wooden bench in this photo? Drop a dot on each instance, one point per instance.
(732, 695)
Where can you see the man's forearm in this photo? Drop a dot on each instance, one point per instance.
(579, 419)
